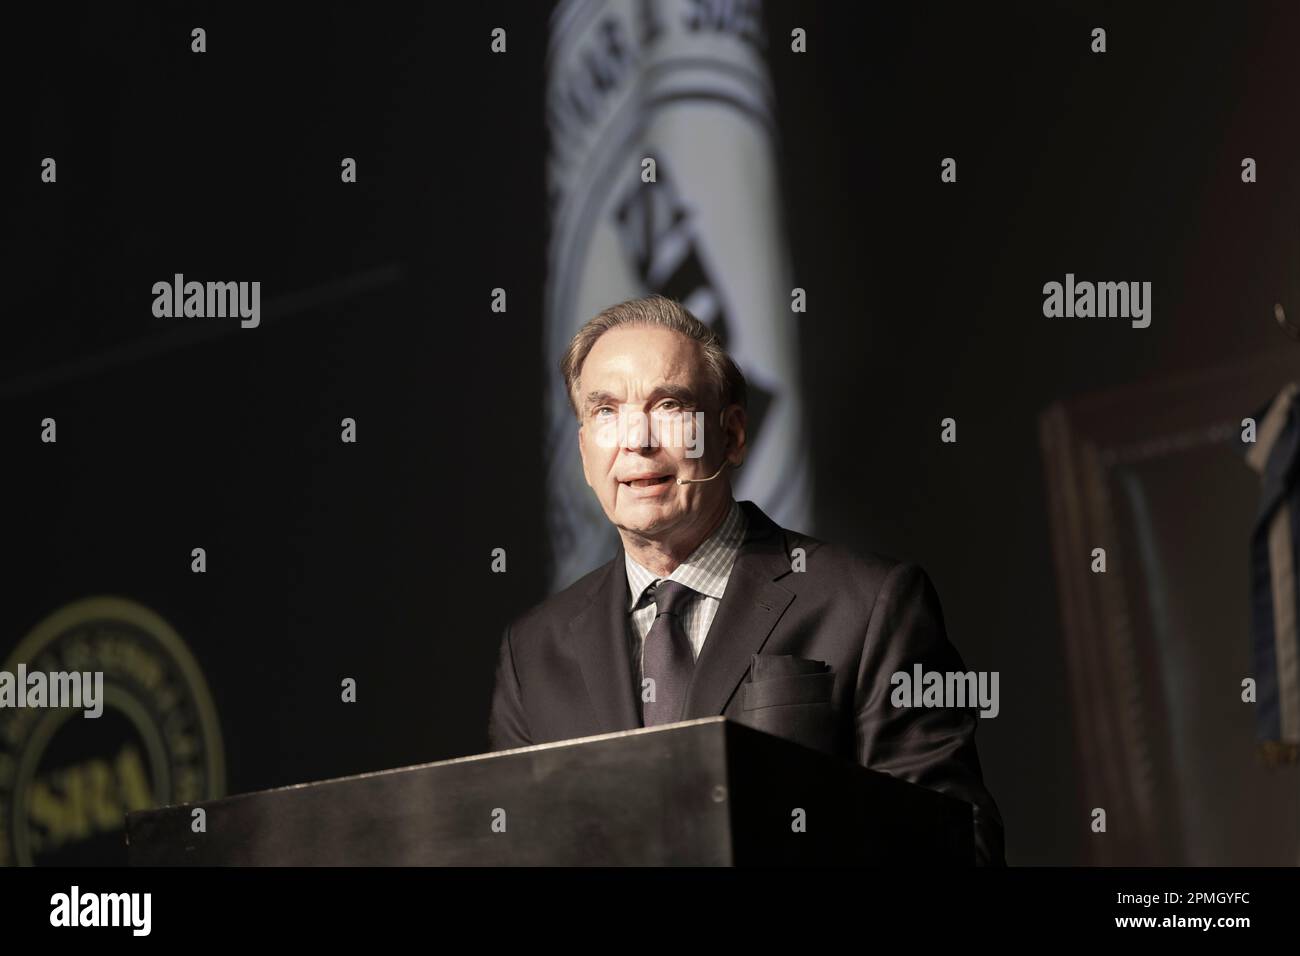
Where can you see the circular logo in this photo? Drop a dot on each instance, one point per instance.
(67, 779)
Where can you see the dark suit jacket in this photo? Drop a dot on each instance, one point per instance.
(564, 669)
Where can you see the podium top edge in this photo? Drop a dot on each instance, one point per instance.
(451, 760)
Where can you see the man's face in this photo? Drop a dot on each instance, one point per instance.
(648, 417)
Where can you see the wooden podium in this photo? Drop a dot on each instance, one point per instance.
(707, 792)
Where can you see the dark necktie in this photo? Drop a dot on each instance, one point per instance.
(668, 659)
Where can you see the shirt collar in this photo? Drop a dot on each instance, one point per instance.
(708, 567)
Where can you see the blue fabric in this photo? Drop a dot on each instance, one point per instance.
(1279, 484)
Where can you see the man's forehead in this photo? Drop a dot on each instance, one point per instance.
(621, 357)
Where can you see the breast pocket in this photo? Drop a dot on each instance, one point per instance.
(784, 691)
(796, 708)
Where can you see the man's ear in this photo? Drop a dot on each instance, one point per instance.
(734, 425)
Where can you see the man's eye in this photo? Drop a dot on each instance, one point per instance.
(600, 412)
(670, 405)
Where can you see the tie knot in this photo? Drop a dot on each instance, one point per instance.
(670, 597)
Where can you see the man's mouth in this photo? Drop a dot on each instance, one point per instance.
(648, 482)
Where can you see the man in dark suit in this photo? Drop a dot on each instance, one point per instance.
(711, 608)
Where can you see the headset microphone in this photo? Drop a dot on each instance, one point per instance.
(722, 419)
(692, 481)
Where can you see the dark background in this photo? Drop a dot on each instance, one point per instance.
(372, 560)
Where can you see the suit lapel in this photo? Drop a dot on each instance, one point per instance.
(750, 608)
(600, 638)
(751, 605)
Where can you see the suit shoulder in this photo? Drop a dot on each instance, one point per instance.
(834, 573)
(559, 607)
(867, 567)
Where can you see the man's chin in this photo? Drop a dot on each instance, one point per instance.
(647, 517)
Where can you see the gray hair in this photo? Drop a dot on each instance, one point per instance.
(656, 310)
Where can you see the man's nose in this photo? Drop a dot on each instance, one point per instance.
(634, 431)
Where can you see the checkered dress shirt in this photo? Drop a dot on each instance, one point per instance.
(706, 571)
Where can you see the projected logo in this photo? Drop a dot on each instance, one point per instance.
(67, 782)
